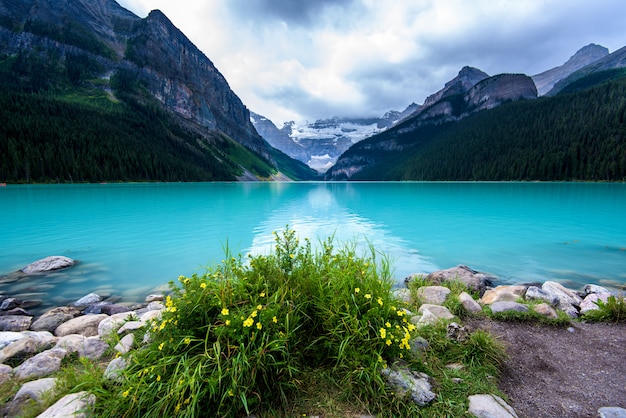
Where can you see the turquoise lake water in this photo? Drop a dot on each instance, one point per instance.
(132, 238)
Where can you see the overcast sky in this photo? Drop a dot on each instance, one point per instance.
(310, 59)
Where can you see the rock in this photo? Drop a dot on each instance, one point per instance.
(155, 298)
(50, 320)
(590, 302)
(503, 294)
(96, 308)
(435, 295)
(546, 310)
(42, 364)
(427, 318)
(418, 344)
(8, 337)
(489, 406)
(403, 295)
(15, 323)
(155, 306)
(440, 312)
(6, 373)
(10, 303)
(150, 315)
(456, 332)
(114, 309)
(87, 300)
(498, 307)
(612, 412)
(73, 405)
(30, 343)
(125, 344)
(594, 288)
(34, 391)
(45, 265)
(114, 369)
(15, 311)
(92, 348)
(564, 295)
(131, 326)
(109, 325)
(86, 325)
(472, 279)
(536, 293)
(404, 381)
(468, 303)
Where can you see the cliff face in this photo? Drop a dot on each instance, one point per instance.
(501, 88)
(169, 66)
(583, 57)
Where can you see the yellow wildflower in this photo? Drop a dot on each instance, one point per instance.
(368, 296)
(253, 314)
(259, 307)
(275, 320)
(125, 393)
(230, 393)
(357, 290)
(259, 325)
(262, 294)
(227, 322)
(248, 322)
(225, 311)
(383, 333)
(203, 285)
(177, 408)
(387, 324)
(380, 301)
(158, 378)
(187, 340)
(161, 346)
(292, 256)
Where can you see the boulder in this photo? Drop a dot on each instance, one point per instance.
(34, 391)
(407, 382)
(41, 365)
(503, 294)
(50, 320)
(590, 302)
(30, 343)
(474, 280)
(86, 325)
(611, 412)
(498, 307)
(10, 303)
(92, 348)
(435, 295)
(9, 337)
(403, 295)
(115, 368)
(565, 296)
(546, 310)
(594, 288)
(109, 325)
(155, 298)
(440, 312)
(97, 307)
(15, 323)
(537, 293)
(490, 406)
(6, 373)
(125, 344)
(48, 264)
(114, 309)
(468, 303)
(74, 405)
(87, 300)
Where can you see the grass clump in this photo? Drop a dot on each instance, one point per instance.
(244, 337)
(613, 310)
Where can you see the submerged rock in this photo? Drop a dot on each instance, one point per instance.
(45, 265)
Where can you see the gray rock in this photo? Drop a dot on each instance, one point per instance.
(96, 308)
(87, 300)
(457, 333)
(115, 368)
(440, 312)
(612, 412)
(41, 365)
(15, 323)
(564, 295)
(86, 325)
(131, 326)
(474, 280)
(125, 344)
(403, 295)
(405, 381)
(45, 265)
(9, 303)
(503, 294)
(50, 320)
(497, 307)
(8, 337)
(150, 315)
(74, 405)
(31, 343)
(114, 309)
(469, 304)
(92, 348)
(594, 288)
(111, 324)
(536, 293)
(34, 391)
(435, 295)
(418, 344)
(154, 298)
(590, 302)
(490, 406)
(6, 373)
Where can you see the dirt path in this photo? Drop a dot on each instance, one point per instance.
(560, 372)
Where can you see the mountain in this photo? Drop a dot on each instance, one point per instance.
(320, 143)
(74, 47)
(589, 54)
(578, 135)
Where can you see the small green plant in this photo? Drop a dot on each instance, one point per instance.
(613, 310)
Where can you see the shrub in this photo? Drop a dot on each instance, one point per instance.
(240, 337)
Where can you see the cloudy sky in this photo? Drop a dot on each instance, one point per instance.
(310, 59)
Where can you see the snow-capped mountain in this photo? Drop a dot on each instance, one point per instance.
(319, 144)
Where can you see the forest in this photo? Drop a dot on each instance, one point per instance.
(579, 135)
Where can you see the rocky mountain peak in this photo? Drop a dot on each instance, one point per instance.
(465, 80)
(585, 56)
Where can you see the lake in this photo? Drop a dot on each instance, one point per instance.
(133, 238)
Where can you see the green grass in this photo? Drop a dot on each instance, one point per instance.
(613, 310)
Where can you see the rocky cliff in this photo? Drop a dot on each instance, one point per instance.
(166, 63)
(589, 54)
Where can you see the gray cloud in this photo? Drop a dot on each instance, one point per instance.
(292, 12)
